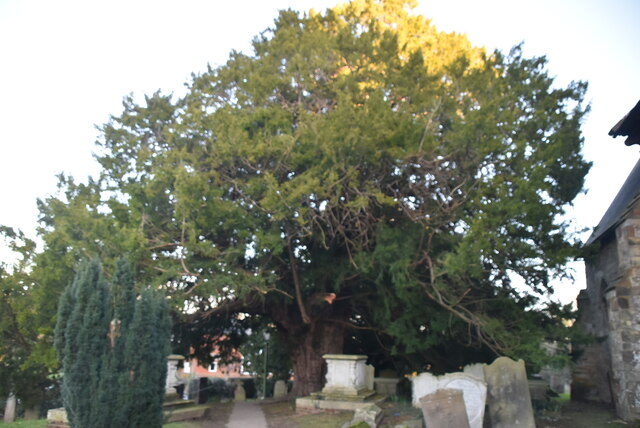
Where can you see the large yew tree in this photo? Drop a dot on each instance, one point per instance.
(358, 178)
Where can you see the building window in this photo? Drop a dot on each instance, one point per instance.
(213, 367)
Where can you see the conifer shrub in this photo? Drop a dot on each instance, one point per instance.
(112, 345)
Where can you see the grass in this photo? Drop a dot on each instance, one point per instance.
(182, 425)
(40, 423)
(571, 414)
(217, 416)
(282, 414)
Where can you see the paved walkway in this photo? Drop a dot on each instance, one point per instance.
(247, 414)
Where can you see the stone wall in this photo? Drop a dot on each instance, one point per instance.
(592, 375)
(609, 370)
(624, 319)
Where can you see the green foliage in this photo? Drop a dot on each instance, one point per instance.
(42, 423)
(113, 350)
(358, 152)
(146, 349)
(26, 357)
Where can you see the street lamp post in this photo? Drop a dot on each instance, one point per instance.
(264, 378)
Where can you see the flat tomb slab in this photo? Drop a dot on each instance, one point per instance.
(337, 395)
(314, 402)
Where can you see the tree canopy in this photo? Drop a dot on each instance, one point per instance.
(359, 178)
(27, 357)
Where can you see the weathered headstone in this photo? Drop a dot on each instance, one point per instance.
(538, 390)
(172, 373)
(388, 373)
(476, 370)
(193, 389)
(474, 395)
(32, 413)
(239, 394)
(423, 384)
(203, 390)
(386, 385)
(369, 373)
(508, 394)
(280, 389)
(474, 392)
(10, 409)
(57, 418)
(444, 409)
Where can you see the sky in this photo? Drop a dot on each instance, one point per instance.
(66, 65)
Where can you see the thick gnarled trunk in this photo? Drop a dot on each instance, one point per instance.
(310, 344)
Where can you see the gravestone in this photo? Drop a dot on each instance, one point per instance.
(369, 373)
(386, 385)
(423, 384)
(538, 390)
(474, 395)
(280, 389)
(32, 413)
(474, 392)
(239, 394)
(57, 418)
(172, 373)
(508, 394)
(203, 390)
(10, 409)
(476, 370)
(193, 389)
(388, 373)
(444, 409)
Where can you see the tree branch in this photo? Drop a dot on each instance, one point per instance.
(296, 279)
(250, 303)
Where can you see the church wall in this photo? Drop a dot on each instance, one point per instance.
(608, 371)
(624, 319)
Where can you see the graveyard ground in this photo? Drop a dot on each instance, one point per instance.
(281, 414)
(578, 415)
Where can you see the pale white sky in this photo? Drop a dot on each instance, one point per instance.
(65, 66)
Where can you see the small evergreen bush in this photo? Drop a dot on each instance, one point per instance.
(113, 347)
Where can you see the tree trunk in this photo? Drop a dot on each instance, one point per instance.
(310, 344)
(10, 409)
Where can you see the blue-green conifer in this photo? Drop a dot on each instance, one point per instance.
(113, 350)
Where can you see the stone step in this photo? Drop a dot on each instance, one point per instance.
(178, 403)
(313, 402)
(363, 395)
(177, 414)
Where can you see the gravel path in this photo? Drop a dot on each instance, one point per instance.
(246, 414)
